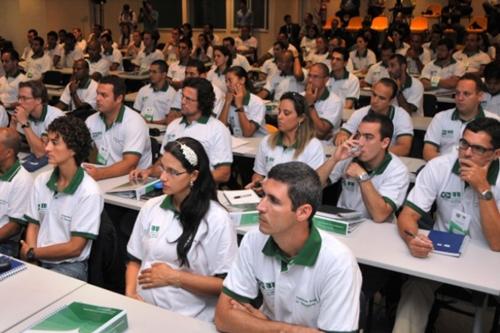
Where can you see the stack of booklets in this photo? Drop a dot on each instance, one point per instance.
(135, 189)
(10, 266)
(448, 243)
(83, 318)
(242, 206)
(338, 220)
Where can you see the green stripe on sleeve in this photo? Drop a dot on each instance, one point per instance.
(31, 220)
(415, 208)
(83, 235)
(391, 203)
(235, 296)
(18, 220)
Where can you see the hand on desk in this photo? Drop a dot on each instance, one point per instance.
(420, 246)
(139, 174)
(158, 275)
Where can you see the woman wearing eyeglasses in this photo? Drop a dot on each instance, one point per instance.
(183, 242)
(294, 141)
(243, 111)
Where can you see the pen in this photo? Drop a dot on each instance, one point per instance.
(409, 234)
(242, 196)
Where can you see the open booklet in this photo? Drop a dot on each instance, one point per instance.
(338, 220)
(135, 189)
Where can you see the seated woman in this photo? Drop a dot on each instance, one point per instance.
(183, 243)
(243, 111)
(223, 60)
(64, 210)
(361, 58)
(203, 50)
(295, 140)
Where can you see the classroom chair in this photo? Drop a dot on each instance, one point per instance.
(419, 24)
(479, 24)
(355, 24)
(380, 23)
(433, 11)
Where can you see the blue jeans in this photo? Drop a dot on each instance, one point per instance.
(77, 270)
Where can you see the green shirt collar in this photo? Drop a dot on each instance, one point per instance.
(279, 142)
(11, 173)
(491, 176)
(441, 63)
(118, 119)
(164, 88)
(392, 111)
(201, 120)
(359, 55)
(42, 116)
(380, 168)
(456, 116)
(307, 256)
(407, 83)
(73, 184)
(85, 84)
(168, 204)
(16, 74)
(345, 76)
(324, 95)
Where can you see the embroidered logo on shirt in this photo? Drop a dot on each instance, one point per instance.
(154, 230)
(447, 133)
(306, 302)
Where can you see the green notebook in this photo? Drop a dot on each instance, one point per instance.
(83, 318)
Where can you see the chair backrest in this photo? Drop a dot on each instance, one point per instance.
(155, 149)
(355, 23)
(478, 24)
(430, 105)
(380, 23)
(419, 24)
(271, 129)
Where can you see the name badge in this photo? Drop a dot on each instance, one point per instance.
(102, 156)
(435, 81)
(459, 222)
(148, 113)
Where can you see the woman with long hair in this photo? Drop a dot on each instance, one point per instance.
(294, 141)
(183, 242)
(243, 111)
(223, 60)
(204, 50)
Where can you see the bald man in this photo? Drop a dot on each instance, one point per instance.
(15, 184)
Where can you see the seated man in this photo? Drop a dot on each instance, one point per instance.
(342, 83)
(98, 65)
(472, 176)
(28, 51)
(33, 115)
(491, 100)
(114, 56)
(379, 69)
(149, 54)
(442, 74)
(290, 77)
(81, 91)
(324, 107)
(238, 59)
(39, 62)
(120, 134)
(471, 55)
(246, 44)
(410, 90)
(374, 181)
(269, 67)
(15, 187)
(155, 100)
(383, 94)
(53, 49)
(318, 285)
(71, 52)
(197, 122)
(9, 84)
(177, 70)
(64, 209)
(446, 127)
(417, 56)
(270, 53)
(320, 55)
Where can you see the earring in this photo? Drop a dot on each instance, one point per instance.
(191, 182)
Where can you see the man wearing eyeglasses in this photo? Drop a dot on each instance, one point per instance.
(447, 126)
(466, 188)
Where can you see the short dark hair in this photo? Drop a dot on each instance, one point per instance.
(343, 51)
(281, 44)
(206, 95)
(473, 77)
(490, 126)
(75, 134)
(492, 71)
(304, 186)
(33, 31)
(450, 45)
(119, 87)
(186, 41)
(162, 65)
(13, 54)
(52, 33)
(386, 126)
(390, 83)
(388, 45)
(107, 37)
(323, 67)
(198, 64)
(38, 89)
(39, 40)
(401, 59)
(241, 73)
(230, 40)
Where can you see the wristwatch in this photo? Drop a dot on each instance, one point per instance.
(241, 109)
(363, 178)
(30, 255)
(26, 125)
(486, 195)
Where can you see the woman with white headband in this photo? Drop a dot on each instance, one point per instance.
(183, 242)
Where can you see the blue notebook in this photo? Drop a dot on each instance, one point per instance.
(15, 267)
(447, 243)
(31, 163)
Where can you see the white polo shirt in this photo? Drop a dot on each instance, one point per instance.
(446, 129)
(213, 135)
(440, 181)
(316, 58)
(100, 66)
(76, 211)
(376, 72)
(217, 78)
(346, 87)
(155, 104)
(413, 91)
(9, 87)
(401, 120)
(41, 125)
(403, 49)
(269, 67)
(67, 60)
(474, 61)
(391, 179)
(318, 288)
(114, 57)
(176, 71)
(433, 71)
(425, 57)
(15, 188)
(267, 156)
(255, 111)
(144, 60)
(279, 84)
(241, 61)
(245, 45)
(35, 67)
(154, 239)
(290, 47)
(362, 62)
(491, 103)
(56, 51)
(129, 134)
(330, 108)
(4, 117)
(86, 91)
